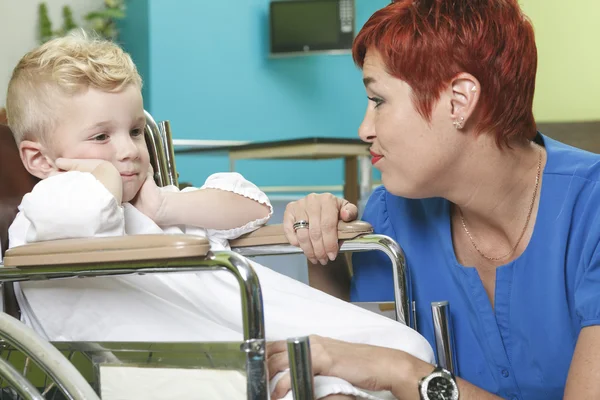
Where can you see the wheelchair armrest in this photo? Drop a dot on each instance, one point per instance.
(274, 234)
(107, 249)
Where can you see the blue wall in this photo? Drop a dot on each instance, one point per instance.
(209, 73)
(134, 36)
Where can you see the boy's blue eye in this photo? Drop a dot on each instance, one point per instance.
(136, 132)
(376, 100)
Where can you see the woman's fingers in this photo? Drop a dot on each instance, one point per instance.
(303, 236)
(289, 217)
(329, 227)
(284, 385)
(276, 347)
(277, 363)
(348, 211)
(322, 212)
(315, 235)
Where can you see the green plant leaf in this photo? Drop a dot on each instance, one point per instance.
(109, 13)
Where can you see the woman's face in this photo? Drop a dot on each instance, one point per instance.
(416, 155)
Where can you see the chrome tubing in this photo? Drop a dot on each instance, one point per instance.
(18, 382)
(252, 304)
(403, 310)
(157, 151)
(303, 385)
(444, 338)
(254, 325)
(47, 357)
(167, 137)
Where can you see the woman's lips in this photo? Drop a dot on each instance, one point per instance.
(375, 157)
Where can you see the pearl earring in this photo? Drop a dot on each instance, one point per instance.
(458, 124)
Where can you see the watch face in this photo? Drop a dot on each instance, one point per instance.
(440, 388)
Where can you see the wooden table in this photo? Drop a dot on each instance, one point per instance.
(354, 152)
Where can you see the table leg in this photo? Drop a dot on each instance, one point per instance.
(365, 182)
(351, 189)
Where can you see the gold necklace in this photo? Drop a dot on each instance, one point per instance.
(512, 250)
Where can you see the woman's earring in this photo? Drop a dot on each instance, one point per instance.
(458, 124)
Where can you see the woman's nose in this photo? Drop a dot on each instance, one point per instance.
(366, 130)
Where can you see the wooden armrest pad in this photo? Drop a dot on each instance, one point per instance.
(274, 234)
(107, 249)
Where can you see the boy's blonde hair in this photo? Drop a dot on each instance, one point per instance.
(63, 67)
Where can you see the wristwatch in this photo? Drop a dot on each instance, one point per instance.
(439, 385)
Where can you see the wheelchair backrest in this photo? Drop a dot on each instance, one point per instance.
(15, 182)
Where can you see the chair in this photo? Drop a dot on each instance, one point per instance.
(118, 256)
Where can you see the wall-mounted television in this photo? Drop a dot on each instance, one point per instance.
(311, 26)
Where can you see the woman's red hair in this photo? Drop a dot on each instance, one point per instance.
(426, 43)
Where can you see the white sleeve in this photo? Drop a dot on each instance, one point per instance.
(234, 182)
(69, 205)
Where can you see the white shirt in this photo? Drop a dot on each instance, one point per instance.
(203, 306)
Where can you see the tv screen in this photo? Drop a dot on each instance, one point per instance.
(300, 26)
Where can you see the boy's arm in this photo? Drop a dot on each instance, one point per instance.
(72, 204)
(102, 170)
(227, 204)
(211, 209)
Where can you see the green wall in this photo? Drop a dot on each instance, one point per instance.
(568, 41)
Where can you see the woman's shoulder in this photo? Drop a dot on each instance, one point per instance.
(571, 162)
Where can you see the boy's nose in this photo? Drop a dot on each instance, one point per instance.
(127, 149)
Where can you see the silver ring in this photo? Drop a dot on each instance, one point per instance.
(300, 225)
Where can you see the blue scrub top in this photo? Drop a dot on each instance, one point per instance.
(523, 348)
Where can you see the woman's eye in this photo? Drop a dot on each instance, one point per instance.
(376, 100)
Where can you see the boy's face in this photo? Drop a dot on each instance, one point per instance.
(106, 126)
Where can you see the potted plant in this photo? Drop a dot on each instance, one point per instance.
(103, 21)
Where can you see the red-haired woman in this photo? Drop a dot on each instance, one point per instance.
(496, 218)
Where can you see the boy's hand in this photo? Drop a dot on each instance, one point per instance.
(150, 199)
(103, 170)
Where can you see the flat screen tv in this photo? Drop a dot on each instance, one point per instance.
(311, 26)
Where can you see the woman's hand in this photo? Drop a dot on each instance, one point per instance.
(322, 211)
(364, 366)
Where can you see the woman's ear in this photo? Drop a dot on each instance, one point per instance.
(464, 98)
(35, 160)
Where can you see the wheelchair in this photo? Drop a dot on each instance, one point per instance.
(32, 368)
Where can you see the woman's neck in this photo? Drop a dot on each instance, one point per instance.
(494, 193)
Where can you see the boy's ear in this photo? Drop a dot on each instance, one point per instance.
(34, 159)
